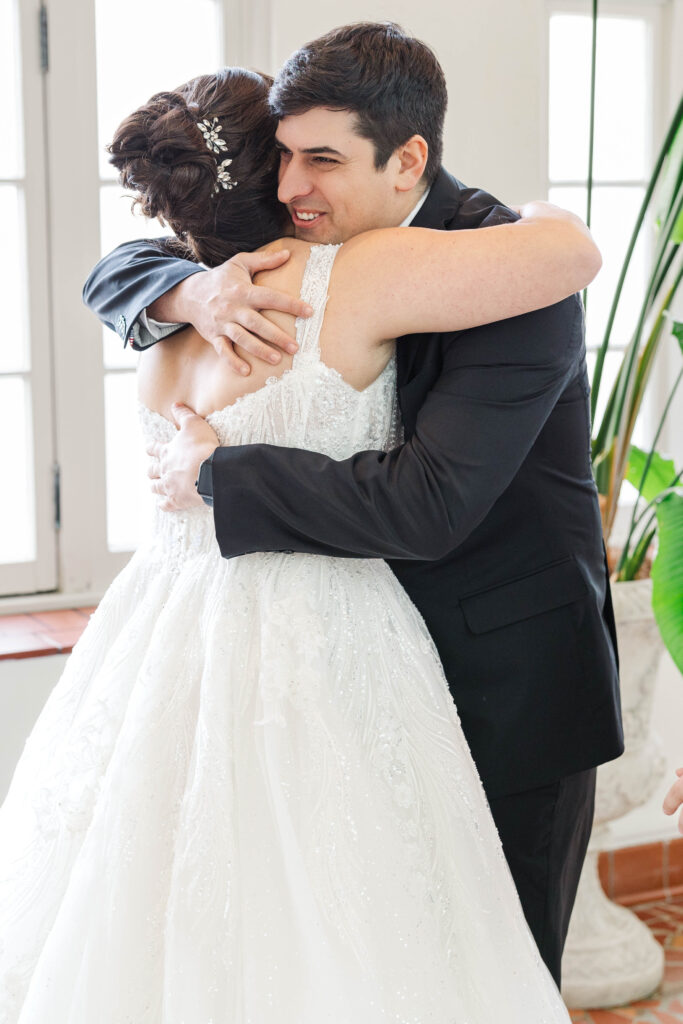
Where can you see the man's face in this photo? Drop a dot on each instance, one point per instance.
(328, 179)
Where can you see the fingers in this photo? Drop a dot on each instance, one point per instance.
(154, 448)
(226, 350)
(252, 344)
(153, 471)
(674, 797)
(269, 298)
(265, 330)
(255, 261)
(181, 412)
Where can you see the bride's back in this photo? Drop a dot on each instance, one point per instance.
(185, 368)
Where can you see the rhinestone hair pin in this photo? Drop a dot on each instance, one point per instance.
(210, 130)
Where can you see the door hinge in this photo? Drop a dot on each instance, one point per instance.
(57, 494)
(44, 43)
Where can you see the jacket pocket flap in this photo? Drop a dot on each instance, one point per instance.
(548, 588)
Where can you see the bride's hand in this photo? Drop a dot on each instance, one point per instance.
(175, 465)
(674, 799)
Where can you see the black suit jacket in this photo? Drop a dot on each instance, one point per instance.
(488, 514)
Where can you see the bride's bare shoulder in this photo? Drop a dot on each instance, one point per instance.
(286, 278)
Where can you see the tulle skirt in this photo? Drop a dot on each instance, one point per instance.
(248, 800)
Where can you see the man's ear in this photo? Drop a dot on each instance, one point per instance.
(412, 160)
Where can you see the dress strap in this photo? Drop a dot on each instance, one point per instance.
(314, 288)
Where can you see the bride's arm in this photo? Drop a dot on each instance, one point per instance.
(420, 281)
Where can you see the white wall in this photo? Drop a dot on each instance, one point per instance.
(648, 823)
(492, 140)
(25, 684)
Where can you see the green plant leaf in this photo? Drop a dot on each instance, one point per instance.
(631, 566)
(677, 233)
(677, 331)
(660, 472)
(667, 575)
(671, 173)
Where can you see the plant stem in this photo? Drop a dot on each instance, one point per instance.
(666, 145)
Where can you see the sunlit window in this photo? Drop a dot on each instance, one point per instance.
(622, 156)
(165, 42)
(18, 532)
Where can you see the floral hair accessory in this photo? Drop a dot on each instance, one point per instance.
(210, 130)
(224, 179)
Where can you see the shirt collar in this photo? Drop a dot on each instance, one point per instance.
(416, 209)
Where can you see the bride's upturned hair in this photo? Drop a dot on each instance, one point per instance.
(165, 158)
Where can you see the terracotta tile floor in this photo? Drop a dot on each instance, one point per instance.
(40, 633)
(665, 919)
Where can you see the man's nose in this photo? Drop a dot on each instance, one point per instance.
(294, 182)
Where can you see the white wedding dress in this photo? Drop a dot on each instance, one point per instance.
(248, 800)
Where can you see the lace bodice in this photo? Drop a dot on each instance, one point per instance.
(310, 406)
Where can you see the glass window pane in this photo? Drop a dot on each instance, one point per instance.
(610, 368)
(14, 350)
(622, 98)
(569, 96)
(621, 113)
(613, 217)
(17, 508)
(161, 56)
(119, 225)
(115, 355)
(129, 499)
(162, 43)
(621, 123)
(11, 151)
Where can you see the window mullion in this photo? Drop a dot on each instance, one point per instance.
(40, 573)
(74, 248)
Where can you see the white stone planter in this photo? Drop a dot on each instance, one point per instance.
(610, 957)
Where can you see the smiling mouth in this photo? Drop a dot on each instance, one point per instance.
(306, 218)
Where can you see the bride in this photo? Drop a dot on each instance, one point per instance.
(248, 799)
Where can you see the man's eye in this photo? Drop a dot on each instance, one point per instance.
(324, 160)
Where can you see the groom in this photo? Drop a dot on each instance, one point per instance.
(487, 514)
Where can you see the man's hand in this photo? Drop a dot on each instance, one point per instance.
(175, 465)
(225, 308)
(674, 799)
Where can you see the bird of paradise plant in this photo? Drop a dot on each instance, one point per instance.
(658, 512)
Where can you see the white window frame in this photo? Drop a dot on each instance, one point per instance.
(62, 160)
(39, 574)
(659, 14)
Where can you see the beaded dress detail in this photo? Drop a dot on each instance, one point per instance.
(248, 799)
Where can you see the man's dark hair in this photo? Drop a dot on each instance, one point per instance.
(392, 83)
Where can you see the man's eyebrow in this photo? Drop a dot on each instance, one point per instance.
(311, 149)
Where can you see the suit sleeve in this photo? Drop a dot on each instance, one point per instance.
(127, 281)
(498, 386)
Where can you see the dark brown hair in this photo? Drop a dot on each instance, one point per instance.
(163, 157)
(392, 82)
